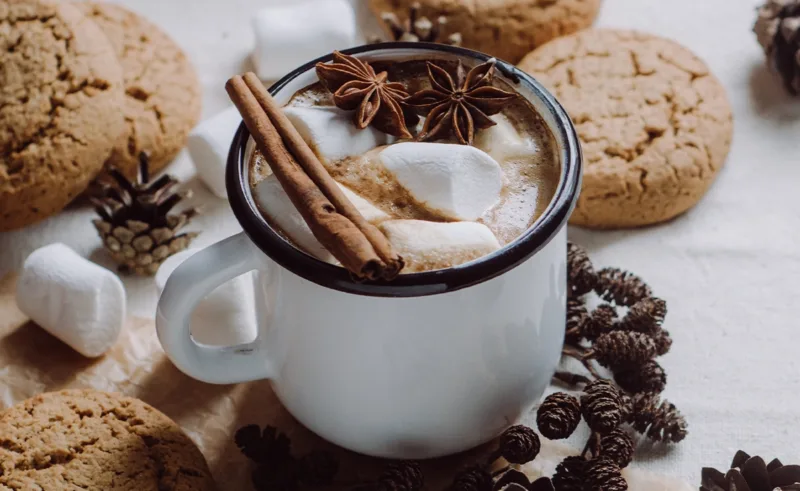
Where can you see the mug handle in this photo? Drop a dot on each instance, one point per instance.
(195, 278)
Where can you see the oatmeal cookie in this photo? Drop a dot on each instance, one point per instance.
(162, 92)
(507, 29)
(98, 441)
(655, 124)
(60, 100)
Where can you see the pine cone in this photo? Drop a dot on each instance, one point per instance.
(601, 321)
(541, 484)
(558, 416)
(617, 446)
(778, 32)
(402, 476)
(663, 342)
(318, 468)
(577, 318)
(601, 405)
(519, 444)
(649, 377)
(418, 29)
(621, 287)
(602, 474)
(269, 447)
(619, 349)
(580, 272)
(570, 474)
(135, 223)
(659, 420)
(474, 478)
(515, 480)
(275, 478)
(645, 316)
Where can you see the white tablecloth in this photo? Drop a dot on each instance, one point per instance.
(728, 269)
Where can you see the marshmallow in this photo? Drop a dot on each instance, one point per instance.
(275, 203)
(226, 317)
(459, 181)
(75, 300)
(431, 245)
(502, 140)
(331, 133)
(289, 35)
(367, 209)
(209, 143)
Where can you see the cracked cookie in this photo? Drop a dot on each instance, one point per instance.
(507, 29)
(162, 93)
(655, 125)
(60, 99)
(97, 441)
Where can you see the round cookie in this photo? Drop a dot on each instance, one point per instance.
(60, 99)
(655, 125)
(507, 29)
(163, 97)
(86, 439)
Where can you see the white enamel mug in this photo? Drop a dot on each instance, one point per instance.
(429, 364)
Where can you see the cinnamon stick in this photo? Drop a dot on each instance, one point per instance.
(308, 160)
(336, 232)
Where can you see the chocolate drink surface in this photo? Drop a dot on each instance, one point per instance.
(440, 203)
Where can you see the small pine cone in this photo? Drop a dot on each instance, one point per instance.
(617, 446)
(649, 377)
(601, 321)
(663, 342)
(474, 478)
(318, 468)
(601, 405)
(248, 439)
(558, 416)
(621, 287)
(267, 447)
(275, 478)
(777, 30)
(619, 349)
(645, 316)
(580, 272)
(569, 475)
(519, 444)
(602, 474)
(402, 476)
(659, 420)
(577, 317)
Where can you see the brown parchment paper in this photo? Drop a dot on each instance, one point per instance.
(32, 361)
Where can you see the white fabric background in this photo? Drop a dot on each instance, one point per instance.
(728, 269)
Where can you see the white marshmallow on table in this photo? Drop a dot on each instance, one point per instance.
(331, 132)
(289, 35)
(431, 245)
(209, 143)
(502, 140)
(459, 181)
(75, 300)
(226, 316)
(275, 203)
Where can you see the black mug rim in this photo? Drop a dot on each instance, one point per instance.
(414, 284)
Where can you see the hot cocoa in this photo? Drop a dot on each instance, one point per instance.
(440, 202)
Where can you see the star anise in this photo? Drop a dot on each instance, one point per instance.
(356, 86)
(459, 108)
